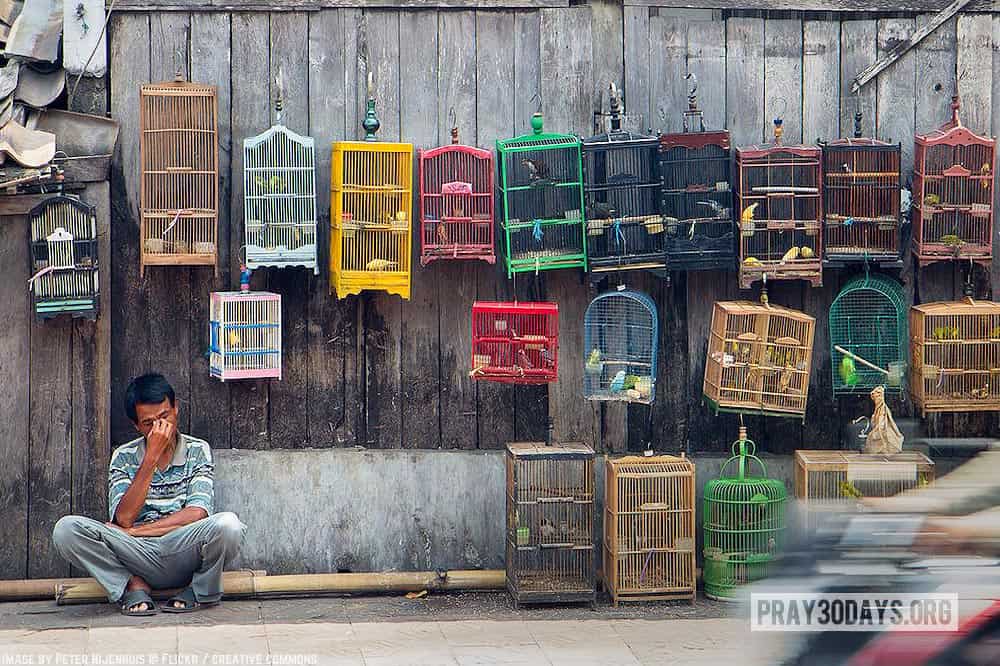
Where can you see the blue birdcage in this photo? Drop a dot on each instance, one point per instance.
(621, 333)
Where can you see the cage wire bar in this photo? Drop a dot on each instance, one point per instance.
(953, 194)
(622, 198)
(245, 335)
(621, 338)
(515, 343)
(868, 318)
(63, 248)
(550, 523)
(179, 157)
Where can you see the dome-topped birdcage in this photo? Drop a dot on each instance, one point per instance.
(868, 335)
(620, 338)
(744, 523)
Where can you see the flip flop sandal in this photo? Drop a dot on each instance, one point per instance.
(190, 603)
(135, 597)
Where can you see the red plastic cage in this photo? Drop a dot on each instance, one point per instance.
(456, 203)
(515, 343)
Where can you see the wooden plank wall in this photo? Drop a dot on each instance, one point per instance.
(379, 372)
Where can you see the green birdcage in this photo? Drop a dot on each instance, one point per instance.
(869, 335)
(744, 522)
(541, 186)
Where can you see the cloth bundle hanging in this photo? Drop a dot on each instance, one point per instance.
(884, 436)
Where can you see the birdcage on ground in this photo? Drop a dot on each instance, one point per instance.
(778, 196)
(869, 335)
(759, 357)
(955, 356)
(456, 203)
(279, 168)
(64, 258)
(622, 198)
(179, 156)
(541, 190)
(649, 528)
(744, 523)
(245, 335)
(370, 214)
(621, 335)
(550, 523)
(515, 343)
(953, 194)
(697, 196)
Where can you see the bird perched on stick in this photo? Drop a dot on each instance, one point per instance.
(746, 219)
(537, 169)
(442, 234)
(718, 212)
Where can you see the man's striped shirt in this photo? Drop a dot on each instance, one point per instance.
(187, 481)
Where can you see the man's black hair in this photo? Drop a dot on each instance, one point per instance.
(149, 389)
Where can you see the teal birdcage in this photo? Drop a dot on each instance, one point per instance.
(744, 523)
(868, 335)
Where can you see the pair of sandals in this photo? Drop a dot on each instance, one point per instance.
(136, 597)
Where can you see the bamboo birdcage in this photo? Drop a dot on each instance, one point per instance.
(621, 337)
(515, 343)
(456, 203)
(697, 194)
(245, 335)
(955, 356)
(541, 191)
(179, 154)
(778, 194)
(64, 258)
(649, 528)
(550, 523)
(622, 198)
(759, 357)
(279, 168)
(868, 318)
(953, 175)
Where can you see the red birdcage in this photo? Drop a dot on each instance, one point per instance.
(456, 203)
(515, 343)
(953, 194)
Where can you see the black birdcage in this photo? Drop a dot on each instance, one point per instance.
(697, 198)
(622, 196)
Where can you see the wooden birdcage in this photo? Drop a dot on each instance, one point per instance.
(649, 538)
(541, 190)
(179, 154)
(861, 200)
(245, 335)
(515, 343)
(550, 523)
(697, 196)
(953, 194)
(456, 203)
(370, 214)
(279, 168)
(622, 199)
(759, 357)
(778, 196)
(621, 336)
(955, 356)
(64, 258)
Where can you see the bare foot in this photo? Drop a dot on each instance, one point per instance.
(137, 583)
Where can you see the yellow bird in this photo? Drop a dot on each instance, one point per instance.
(379, 265)
(985, 171)
(234, 340)
(746, 220)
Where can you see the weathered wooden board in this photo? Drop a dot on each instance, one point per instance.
(706, 59)
(858, 49)
(849, 6)
(607, 55)
(668, 66)
(638, 68)
(821, 77)
(315, 5)
(783, 86)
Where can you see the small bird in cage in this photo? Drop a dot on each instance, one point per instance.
(547, 357)
(746, 219)
(547, 530)
(442, 234)
(599, 210)
(985, 171)
(537, 169)
(523, 360)
(380, 265)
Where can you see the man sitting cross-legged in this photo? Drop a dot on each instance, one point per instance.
(162, 533)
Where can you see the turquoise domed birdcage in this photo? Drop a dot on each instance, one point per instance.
(744, 524)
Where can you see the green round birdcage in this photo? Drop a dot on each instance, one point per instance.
(744, 524)
(868, 319)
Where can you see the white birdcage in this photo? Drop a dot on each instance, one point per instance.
(245, 334)
(279, 170)
(64, 258)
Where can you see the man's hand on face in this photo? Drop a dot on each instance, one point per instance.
(159, 439)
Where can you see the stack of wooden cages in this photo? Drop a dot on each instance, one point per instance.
(697, 198)
(245, 335)
(64, 258)
(456, 203)
(953, 194)
(759, 357)
(550, 523)
(779, 197)
(649, 528)
(515, 343)
(541, 190)
(955, 356)
(178, 148)
(621, 338)
(622, 199)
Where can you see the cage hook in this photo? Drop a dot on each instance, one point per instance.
(538, 96)
(864, 431)
(178, 70)
(615, 107)
(857, 115)
(453, 125)
(779, 120)
(370, 123)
